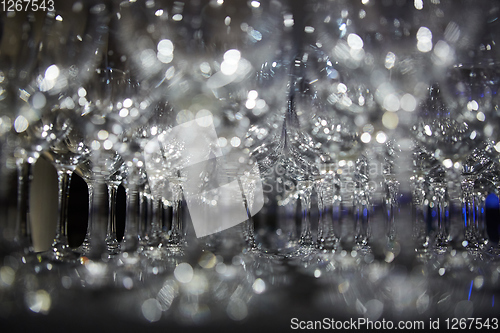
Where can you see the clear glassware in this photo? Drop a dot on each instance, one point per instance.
(225, 63)
(65, 155)
(134, 219)
(422, 228)
(112, 183)
(102, 238)
(438, 198)
(449, 140)
(264, 141)
(487, 205)
(392, 192)
(84, 170)
(483, 188)
(451, 54)
(11, 102)
(264, 42)
(152, 156)
(156, 168)
(296, 153)
(40, 67)
(113, 104)
(178, 165)
(131, 147)
(471, 86)
(113, 173)
(384, 43)
(287, 210)
(342, 109)
(362, 207)
(330, 210)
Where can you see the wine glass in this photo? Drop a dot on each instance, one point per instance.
(296, 152)
(448, 140)
(392, 191)
(343, 107)
(395, 48)
(329, 206)
(438, 198)
(17, 55)
(44, 68)
(156, 169)
(211, 58)
(112, 182)
(117, 106)
(147, 143)
(135, 179)
(266, 108)
(487, 200)
(264, 143)
(84, 170)
(483, 188)
(422, 162)
(472, 88)
(113, 172)
(65, 155)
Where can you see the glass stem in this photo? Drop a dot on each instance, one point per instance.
(143, 215)
(112, 242)
(154, 231)
(324, 223)
(391, 223)
(442, 205)
(361, 220)
(328, 207)
(481, 219)
(468, 211)
(86, 242)
(149, 216)
(305, 202)
(248, 225)
(176, 228)
(61, 239)
(420, 230)
(336, 216)
(391, 205)
(420, 234)
(362, 206)
(249, 231)
(98, 229)
(131, 234)
(291, 220)
(23, 237)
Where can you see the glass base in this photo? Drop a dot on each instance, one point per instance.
(60, 253)
(362, 248)
(113, 247)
